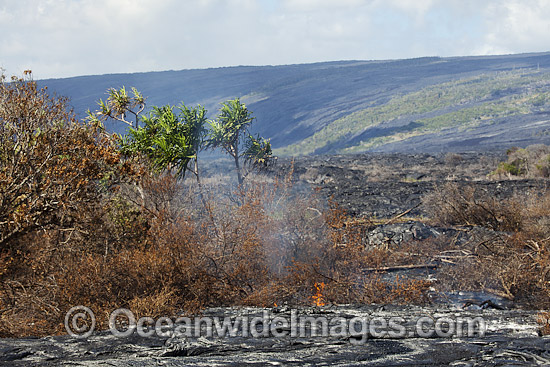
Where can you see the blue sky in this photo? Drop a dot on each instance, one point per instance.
(61, 38)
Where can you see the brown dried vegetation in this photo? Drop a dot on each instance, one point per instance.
(510, 255)
(81, 225)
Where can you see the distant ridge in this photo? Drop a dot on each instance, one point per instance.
(427, 104)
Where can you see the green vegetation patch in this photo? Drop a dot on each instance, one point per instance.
(457, 103)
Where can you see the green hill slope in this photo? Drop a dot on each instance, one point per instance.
(465, 103)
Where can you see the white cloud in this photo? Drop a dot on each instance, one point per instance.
(516, 26)
(322, 5)
(417, 8)
(75, 37)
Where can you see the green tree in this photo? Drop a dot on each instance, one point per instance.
(170, 141)
(119, 105)
(230, 133)
(258, 153)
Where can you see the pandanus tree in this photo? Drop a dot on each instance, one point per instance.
(258, 153)
(230, 132)
(119, 105)
(171, 141)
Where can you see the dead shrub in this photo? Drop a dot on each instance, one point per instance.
(513, 264)
(506, 267)
(398, 290)
(544, 321)
(453, 159)
(154, 305)
(452, 204)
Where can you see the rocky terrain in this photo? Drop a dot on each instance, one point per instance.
(511, 339)
(388, 191)
(385, 185)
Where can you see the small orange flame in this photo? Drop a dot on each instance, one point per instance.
(318, 297)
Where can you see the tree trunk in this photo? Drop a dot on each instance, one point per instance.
(197, 171)
(239, 173)
(235, 154)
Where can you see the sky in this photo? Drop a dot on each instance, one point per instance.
(64, 38)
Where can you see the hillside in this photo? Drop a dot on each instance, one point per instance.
(427, 105)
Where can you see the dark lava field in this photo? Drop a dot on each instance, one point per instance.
(388, 190)
(510, 340)
(383, 185)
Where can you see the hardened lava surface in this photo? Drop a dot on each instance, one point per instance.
(510, 338)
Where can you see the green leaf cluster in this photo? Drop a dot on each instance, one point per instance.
(231, 125)
(168, 139)
(230, 133)
(118, 105)
(258, 152)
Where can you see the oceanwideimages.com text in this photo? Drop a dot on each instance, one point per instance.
(80, 322)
